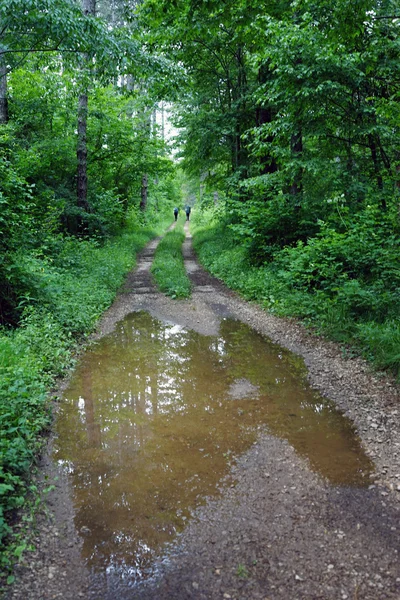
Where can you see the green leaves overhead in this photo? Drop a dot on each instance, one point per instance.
(59, 26)
(45, 25)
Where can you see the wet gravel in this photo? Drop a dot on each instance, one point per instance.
(280, 531)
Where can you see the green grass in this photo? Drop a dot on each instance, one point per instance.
(168, 267)
(72, 282)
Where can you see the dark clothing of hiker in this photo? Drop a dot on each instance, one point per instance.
(187, 210)
(176, 211)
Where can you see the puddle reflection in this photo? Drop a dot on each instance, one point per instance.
(152, 416)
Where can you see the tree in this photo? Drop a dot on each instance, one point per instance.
(89, 9)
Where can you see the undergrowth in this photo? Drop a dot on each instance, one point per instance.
(168, 266)
(71, 283)
(345, 285)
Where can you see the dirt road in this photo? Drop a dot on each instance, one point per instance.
(281, 531)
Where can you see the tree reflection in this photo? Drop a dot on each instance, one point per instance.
(160, 419)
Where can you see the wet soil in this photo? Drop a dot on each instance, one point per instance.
(279, 528)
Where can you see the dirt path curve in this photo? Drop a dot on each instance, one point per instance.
(282, 532)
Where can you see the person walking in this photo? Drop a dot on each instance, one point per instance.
(187, 211)
(176, 212)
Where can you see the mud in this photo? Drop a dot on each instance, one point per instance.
(277, 528)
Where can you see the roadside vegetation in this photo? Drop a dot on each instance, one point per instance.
(168, 266)
(343, 284)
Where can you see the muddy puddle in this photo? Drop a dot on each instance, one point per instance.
(156, 413)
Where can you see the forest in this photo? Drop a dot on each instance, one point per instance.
(284, 135)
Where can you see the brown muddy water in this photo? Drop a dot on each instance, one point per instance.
(156, 413)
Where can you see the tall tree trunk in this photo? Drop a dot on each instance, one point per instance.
(88, 8)
(162, 121)
(296, 146)
(267, 162)
(143, 193)
(241, 85)
(3, 88)
(263, 116)
(146, 131)
(82, 151)
(377, 167)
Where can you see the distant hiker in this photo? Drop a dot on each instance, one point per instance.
(176, 212)
(187, 211)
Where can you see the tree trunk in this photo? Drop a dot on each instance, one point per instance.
(267, 162)
(3, 89)
(296, 145)
(82, 180)
(162, 121)
(145, 126)
(241, 85)
(377, 169)
(143, 194)
(88, 8)
(264, 116)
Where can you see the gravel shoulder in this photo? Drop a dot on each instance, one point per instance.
(282, 531)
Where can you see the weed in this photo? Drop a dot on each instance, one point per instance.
(242, 572)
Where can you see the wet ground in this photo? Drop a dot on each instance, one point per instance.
(196, 458)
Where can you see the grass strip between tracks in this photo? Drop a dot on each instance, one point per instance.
(168, 267)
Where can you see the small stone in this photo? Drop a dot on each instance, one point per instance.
(331, 567)
(84, 529)
(195, 585)
(51, 573)
(226, 595)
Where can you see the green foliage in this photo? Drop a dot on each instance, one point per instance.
(37, 177)
(168, 266)
(345, 284)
